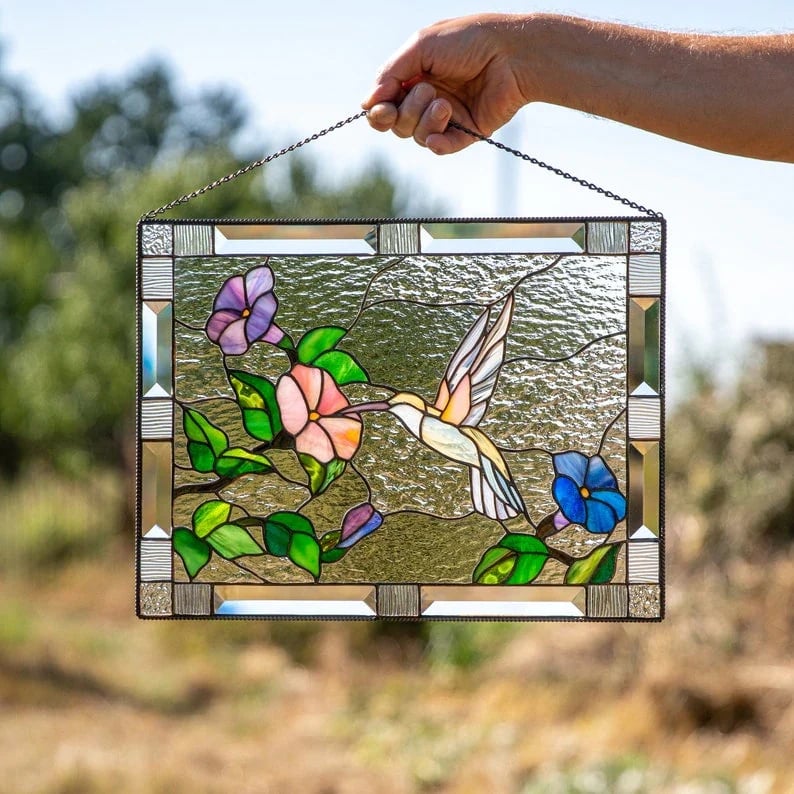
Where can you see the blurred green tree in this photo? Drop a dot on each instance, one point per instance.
(69, 201)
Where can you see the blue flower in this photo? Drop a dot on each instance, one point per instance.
(587, 492)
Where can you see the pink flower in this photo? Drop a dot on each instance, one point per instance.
(243, 312)
(309, 401)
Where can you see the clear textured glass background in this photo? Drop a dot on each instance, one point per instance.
(563, 302)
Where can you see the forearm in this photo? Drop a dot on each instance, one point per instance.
(733, 94)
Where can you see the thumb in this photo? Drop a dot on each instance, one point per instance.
(404, 66)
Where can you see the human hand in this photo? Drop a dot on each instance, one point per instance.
(472, 69)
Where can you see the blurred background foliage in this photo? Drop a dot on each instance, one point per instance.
(445, 707)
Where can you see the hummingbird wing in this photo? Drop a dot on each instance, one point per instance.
(473, 370)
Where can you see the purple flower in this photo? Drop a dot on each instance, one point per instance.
(587, 493)
(244, 311)
(358, 522)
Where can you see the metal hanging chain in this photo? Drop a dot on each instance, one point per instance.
(250, 167)
(339, 124)
(558, 171)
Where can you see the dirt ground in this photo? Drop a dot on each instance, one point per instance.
(94, 700)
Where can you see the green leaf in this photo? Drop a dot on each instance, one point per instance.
(304, 551)
(201, 457)
(280, 528)
(495, 566)
(329, 552)
(527, 568)
(200, 430)
(332, 555)
(256, 397)
(321, 475)
(330, 539)
(276, 540)
(342, 367)
(232, 541)
(292, 522)
(532, 555)
(318, 341)
(260, 425)
(209, 515)
(526, 544)
(237, 461)
(516, 559)
(195, 552)
(598, 567)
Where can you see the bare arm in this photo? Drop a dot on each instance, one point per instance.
(733, 94)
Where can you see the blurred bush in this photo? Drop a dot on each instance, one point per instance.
(730, 460)
(48, 518)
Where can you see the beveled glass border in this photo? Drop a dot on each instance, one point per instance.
(295, 238)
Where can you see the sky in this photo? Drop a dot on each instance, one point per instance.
(302, 66)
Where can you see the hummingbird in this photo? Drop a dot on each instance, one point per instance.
(450, 425)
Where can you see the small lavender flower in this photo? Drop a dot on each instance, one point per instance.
(244, 312)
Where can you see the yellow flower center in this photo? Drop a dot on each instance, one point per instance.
(314, 416)
(584, 492)
(246, 312)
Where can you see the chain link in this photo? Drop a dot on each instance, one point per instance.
(339, 124)
(558, 171)
(250, 167)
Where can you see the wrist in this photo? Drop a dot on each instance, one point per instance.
(534, 40)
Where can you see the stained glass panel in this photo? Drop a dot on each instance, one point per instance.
(401, 419)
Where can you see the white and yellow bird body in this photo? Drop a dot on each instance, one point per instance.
(449, 426)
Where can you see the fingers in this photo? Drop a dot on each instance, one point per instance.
(412, 108)
(434, 120)
(448, 142)
(387, 89)
(420, 115)
(382, 116)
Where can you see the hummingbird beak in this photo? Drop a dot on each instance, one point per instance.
(355, 410)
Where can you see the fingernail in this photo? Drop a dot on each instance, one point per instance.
(424, 92)
(439, 110)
